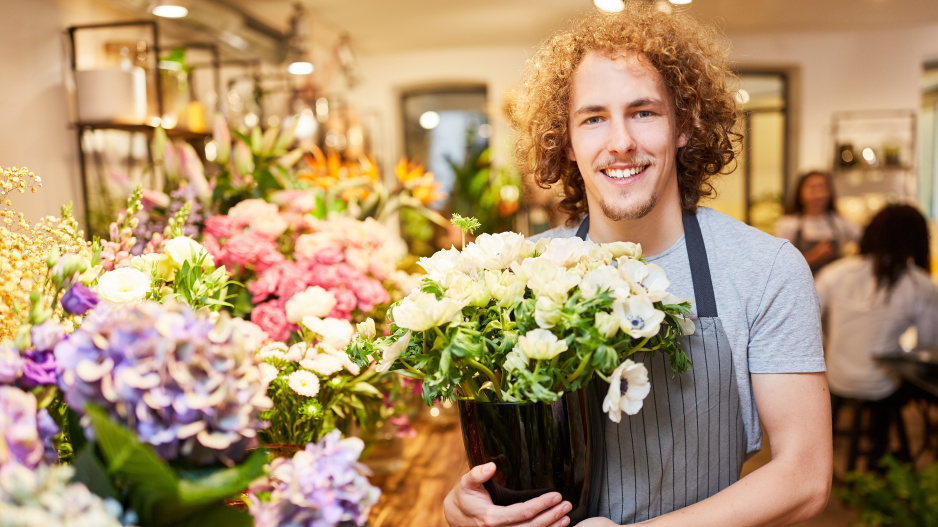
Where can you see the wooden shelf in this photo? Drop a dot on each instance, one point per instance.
(179, 133)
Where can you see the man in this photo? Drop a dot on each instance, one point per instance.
(633, 114)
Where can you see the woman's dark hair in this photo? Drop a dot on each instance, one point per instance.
(796, 206)
(895, 236)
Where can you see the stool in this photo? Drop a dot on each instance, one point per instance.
(873, 421)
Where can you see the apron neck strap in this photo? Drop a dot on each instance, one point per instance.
(699, 265)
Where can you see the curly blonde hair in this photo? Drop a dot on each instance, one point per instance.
(691, 59)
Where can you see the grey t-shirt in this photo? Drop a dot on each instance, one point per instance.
(765, 297)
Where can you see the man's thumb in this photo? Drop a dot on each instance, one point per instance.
(481, 473)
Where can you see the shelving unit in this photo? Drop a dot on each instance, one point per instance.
(874, 161)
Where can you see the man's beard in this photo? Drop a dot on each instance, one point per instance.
(614, 213)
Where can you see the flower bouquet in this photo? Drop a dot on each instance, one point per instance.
(506, 326)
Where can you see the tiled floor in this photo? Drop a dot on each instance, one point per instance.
(836, 514)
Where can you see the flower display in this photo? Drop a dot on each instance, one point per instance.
(506, 319)
(45, 496)
(187, 386)
(323, 485)
(19, 432)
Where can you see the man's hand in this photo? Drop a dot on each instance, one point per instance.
(470, 505)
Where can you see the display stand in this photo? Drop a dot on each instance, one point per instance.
(874, 161)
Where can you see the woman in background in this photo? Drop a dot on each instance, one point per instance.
(870, 300)
(812, 224)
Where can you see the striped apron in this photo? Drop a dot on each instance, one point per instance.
(688, 442)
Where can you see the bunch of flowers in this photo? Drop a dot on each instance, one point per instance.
(281, 255)
(315, 387)
(187, 386)
(45, 495)
(321, 486)
(25, 433)
(506, 319)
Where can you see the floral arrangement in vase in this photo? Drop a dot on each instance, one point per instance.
(509, 320)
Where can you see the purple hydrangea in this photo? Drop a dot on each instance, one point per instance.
(187, 386)
(19, 434)
(11, 364)
(321, 486)
(47, 432)
(79, 299)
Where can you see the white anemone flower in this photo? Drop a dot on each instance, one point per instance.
(632, 270)
(541, 344)
(393, 352)
(494, 251)
(545, 278)
(547, 313)
(440, 264)
(630, 397)
(516, 360)
(632, 250)
(607, 324)
(687, 325)
(421, 311)
(638, 317)
(602, 279)
(567, 252)
(505, 287)
(656, 283)
(366, 329)
(123, 286)
(183, 249)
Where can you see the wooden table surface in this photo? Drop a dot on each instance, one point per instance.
(432, 463)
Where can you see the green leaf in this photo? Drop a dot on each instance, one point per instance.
(365, 388)
(215, 514)
(206, 486)
(90, 471)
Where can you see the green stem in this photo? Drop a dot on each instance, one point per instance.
(580, 368)
(488, 373)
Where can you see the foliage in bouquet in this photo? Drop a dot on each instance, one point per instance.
(897, 495)
(316, 388)
(506, 319)
(322, 485)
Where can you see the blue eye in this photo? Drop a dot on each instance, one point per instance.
(643, 114)
(591, 120)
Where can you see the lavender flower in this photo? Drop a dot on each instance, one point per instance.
(187, 386)
(38, 368)
(321, 486)
(43, 496)
(79, 299)
(19, 435)
(11, 364)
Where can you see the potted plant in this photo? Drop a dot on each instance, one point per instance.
(514, 331)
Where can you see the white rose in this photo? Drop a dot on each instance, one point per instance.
(421, 311)
(393, 352)
(333, 332)
(184, 249)
(547, 313)
(123, 286)
(313, 302)
(628, 398)
(155, 264)
(638, 317)
(541, 344)
(494, 251)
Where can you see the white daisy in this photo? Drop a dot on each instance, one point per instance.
(304, 383)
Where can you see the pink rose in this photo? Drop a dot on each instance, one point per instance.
(307, 245)
(244, 212)
(340, 314)
(325, 276)
(345, 299)
(272, 318)
(213, 247)
(330, 255)
(293, 279)
(271, 225)
(370, 293)
(266, 260)
(265, 285)
(245, 248)
(220, 226)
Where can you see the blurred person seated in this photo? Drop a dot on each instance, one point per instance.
(870, 300)
(813, 225)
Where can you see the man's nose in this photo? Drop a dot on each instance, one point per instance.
(620, 137)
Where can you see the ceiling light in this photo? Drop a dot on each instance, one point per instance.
(301, 67)
(169, 8)
(680, 2)
(429, 120)
(612, 6)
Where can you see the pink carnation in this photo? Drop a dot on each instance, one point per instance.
(246, 248)
(293, 279)
(266, 260)
(245, 211)
(307, 245)
(325, 276)
(370, 293)
(265, 285)
(220, 226)
(329, 255)
(345, 299)
(272, 318)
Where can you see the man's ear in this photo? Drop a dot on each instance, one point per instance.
(682, 139)
(571, 155)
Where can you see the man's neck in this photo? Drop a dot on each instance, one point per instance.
(656, 232)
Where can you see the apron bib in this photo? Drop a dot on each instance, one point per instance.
(688, 442)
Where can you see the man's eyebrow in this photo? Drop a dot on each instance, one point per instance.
(637, 103)
(595, 108)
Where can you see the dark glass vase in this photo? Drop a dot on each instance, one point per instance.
(537, 448)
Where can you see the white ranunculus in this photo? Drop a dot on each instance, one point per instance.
(687, 325)
(656, 283)
(393, 352)
(421, 311)
(628, 398)
(598, 280)
(123, 286)
(546, 278)
(541, 344)
(440, 264)
(547, 313)
(638, 317)
(184, 249)
(494, 251)
(155, 264)
(505, 287)
(607, 324)
(632, 250)
(313, 302)
(366, 329)
(334, 332)
(567, 252)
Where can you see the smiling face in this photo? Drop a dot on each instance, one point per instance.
(623, 136)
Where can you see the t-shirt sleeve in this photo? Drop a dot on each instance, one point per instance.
(785, 336)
